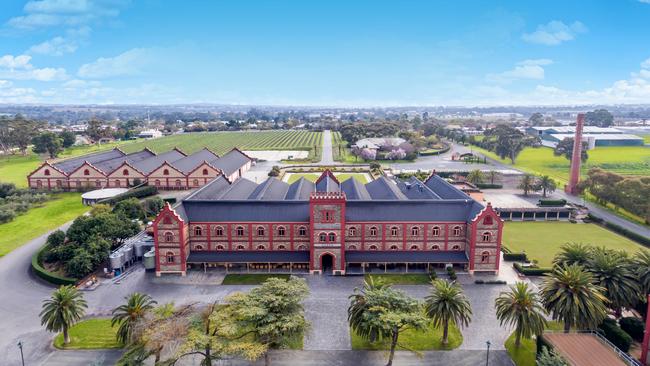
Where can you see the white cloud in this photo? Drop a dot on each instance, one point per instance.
(47, 13)
(645, 1)
(20, 68)
(554, 33)
(15, 62)
(528, 69)
(130, 62)
(646, 64)
(56, 46)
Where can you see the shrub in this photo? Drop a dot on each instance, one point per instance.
(518, 256)
(633, 326)
(531, 271)
(140, 192)
(6, 215)
(44, 274)
(129, 208)
(153, 205)
(452, 273)
(616, 335)
(551, 203)
(490, 282)
(488, 185)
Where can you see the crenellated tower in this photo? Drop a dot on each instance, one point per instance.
(327, 223)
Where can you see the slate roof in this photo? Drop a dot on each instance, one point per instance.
(406, 256)
(249, 256)
(148, 165)
(231, 162)
(189, 163)
(108, 166)
(300, 189)
(69, 165)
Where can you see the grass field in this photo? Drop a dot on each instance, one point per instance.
(646, 138)
(429, 339)
(90, 334)
(250, 279)
(527, 351)
(39, 220)
(340, 176)
(542, 240)
(401, 279)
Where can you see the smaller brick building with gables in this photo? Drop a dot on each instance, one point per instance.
(116, 169)
(328, 226)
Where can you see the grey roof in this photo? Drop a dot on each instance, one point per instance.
(108, 166)
(444, 189)
(411, 210)
(300, 189)
(414, 189)
(146, 166)
(231, 162)
(249, 256)
(191, 162)
(355, 190)
(383, 188)
(406, 256)
(69, 165)
(327, 183)
(255, 211)
(270, 189)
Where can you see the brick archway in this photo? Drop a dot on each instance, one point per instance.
(327, 262)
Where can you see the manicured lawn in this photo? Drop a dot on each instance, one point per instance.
(340, 176)
(90, 334)
(428, 339)
(525, 355)
(401, 279)
(542, 240)
(251, 279)
(37, 221)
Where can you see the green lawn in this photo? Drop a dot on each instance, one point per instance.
(90, 334)
(526, 354)
(251, 279)
(340, 176)
(401, 279)
(39, 220)
(646, 138)
(542, 240)
(429, 339)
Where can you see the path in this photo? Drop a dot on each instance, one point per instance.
(327, 157)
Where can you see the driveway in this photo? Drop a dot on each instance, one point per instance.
(327, 157)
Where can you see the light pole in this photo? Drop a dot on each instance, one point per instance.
(20, 346)
(487, 357)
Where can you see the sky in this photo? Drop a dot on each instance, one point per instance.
(325, 53)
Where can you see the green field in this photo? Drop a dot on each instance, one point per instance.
(340, 176)
(542, 240)
(526, 353)
(634, 160)
(429, 339)
(401, 279)
(39, 220)
(646, 138)
(251, 279)
(90, 334)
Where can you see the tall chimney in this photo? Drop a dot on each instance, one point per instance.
(576, 157)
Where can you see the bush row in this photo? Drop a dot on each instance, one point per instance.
(517, 256)
(489, 185)
(429, 153)
(140, 192)
(44, 274)
(621, 230)
(616, 335)
(531, 271)
(633, 326)
(490, 282)
(551, 203)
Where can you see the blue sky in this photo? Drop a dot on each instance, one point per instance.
(334, 53)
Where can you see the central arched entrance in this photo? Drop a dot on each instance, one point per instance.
(326, 263)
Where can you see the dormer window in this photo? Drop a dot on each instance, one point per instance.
(166, 172)
(86, 172)
(125, 172)
(46, 172)
(205, 172)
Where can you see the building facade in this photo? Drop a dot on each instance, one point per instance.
(328, 226)
(115, 169)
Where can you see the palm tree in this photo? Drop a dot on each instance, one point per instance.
(570, 296)
(642, 261)
(127, 315)
(447, 304)
(493, 174)
(613, 271)
(64, 308)
(527, 183)
(572, 253)
(546, 184)
(475, 176)
(521, 307)
(359, 305)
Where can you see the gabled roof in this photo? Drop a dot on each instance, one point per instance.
(69, 165)
(46, 163)
(327, 182)
(384, 189)
(444, 189)
(300, 189)
(355, 190)
(231, 162)
(414, 189)
(270, 189)
(149, 165)
(109, 166)
(188, 163)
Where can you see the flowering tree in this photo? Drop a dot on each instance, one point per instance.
(368, 154)
(396, 154)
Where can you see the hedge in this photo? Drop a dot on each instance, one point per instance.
(616, 335)
(438, 152)
(518, 256)
(489, 185)
(140, 192)
(551, 203)
(633, 326)
(532, 271)
(490, 282)
(621, 230)
(44, 274)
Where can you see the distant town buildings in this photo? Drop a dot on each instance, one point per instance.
(594, 136)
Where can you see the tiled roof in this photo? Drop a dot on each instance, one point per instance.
(146, 166)
(406, 256)
(191, 162)
(231, 162)
(69, 165)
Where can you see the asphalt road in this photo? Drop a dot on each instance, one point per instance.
(327, 157)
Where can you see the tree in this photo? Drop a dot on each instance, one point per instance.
(522, 308)
(642, 262)
(47, 142)
(62, 310)
(21, 132)
(570, 295)
(368, 154)
(127, 315)
(565, 148)
(153, 205)
(80, 264)
(550, 358)
(536, 119)
(507, 141)
(493, 174)
(527, 184)
(68, 138)
(130, 209)
(379, 312)
(95, 130)
(612, 270)
(545, 184)
(599, 117)
(475, 176)
(447, 304)
(572, 253)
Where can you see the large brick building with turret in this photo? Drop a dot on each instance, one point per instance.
(328, 227)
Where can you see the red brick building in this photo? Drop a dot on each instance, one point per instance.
(328, 226)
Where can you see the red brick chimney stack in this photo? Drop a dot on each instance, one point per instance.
(576, 160)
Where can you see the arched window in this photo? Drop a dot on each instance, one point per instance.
(241, 247)
(302, 247)
(220, 247)
(117, 182)
(157, 183)
(394, 247)
(46, 172)
(281, 247)
(282, 231)
(169, 237)
(302, 231)
(178, 182)
(240, 231)
(167, 220)
(218, 231)
(198, 247)
(436, 231)
(487, 220)
(393, 231)
(170, 257)
(125, 172)
(415, 231)
(86, 172)
(260, 231)
(352, 231)
(205, 172)
(261, 247)
(455, 247)
(165, 171)
(352, 247)
(195, 182)
(456, 230)
(372, 247)
(322, 237)
(485, 257)
(332, 237)
(414, 247)
(373, 231)
(198, 231)
(435, 247)
(39, 184)
(487, 236)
